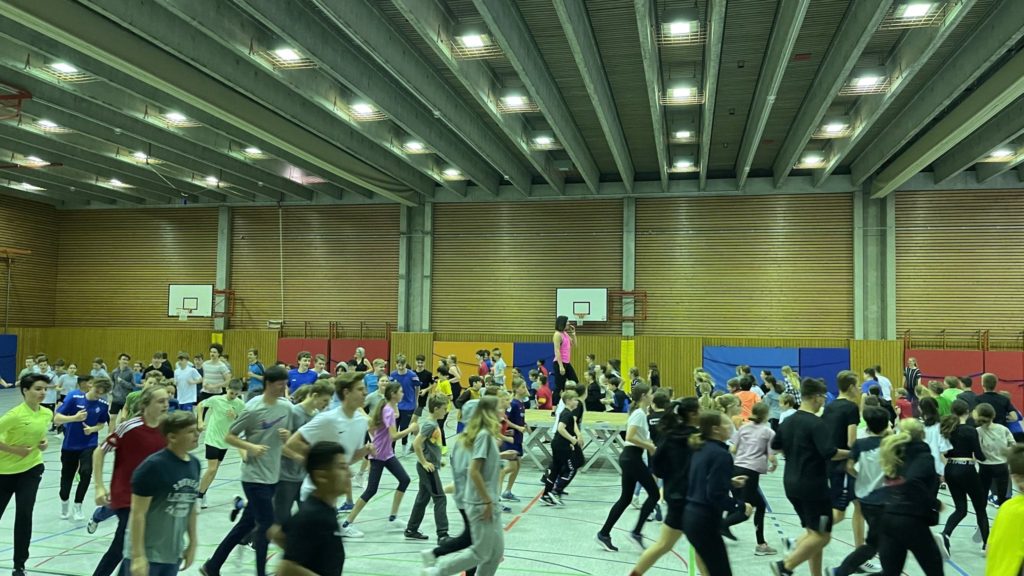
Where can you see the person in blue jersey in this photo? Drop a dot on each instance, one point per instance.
(80, 440)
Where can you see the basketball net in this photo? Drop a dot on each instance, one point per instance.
(183, 314)
(580, 318)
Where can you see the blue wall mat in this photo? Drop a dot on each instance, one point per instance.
(8, 357)
(526, 354)
(824, 363)
(721, 361)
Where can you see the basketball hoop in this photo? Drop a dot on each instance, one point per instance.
(580, 317)
(183, 313)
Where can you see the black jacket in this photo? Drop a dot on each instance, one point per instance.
(915, 491)
(672, 462)
(710, 482)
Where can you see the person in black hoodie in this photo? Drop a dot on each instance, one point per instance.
(671, 463)
(709, 494)
(913, 504)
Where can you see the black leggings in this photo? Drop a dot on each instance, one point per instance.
(633, 470)
(23, 487)
(995, 478)
(873, 517)
(902, 534)
(751, 494)
(963, 482)
(560, 380)
(377, 469)
(72, 461)
(460, 542)
(701, 526)
(565, 462)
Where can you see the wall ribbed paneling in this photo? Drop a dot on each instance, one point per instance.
(411, 344)
(886, 353)
(496, 266)
(114, 266)
(340, 264)
(238, 342)
(676, 357)
(778, 266)
(81, 345)
(959, 261)
(28, 225)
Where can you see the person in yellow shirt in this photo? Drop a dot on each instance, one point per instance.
(1006, 541)
(22, 441)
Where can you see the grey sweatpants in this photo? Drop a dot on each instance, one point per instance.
(430, 489)
(488, 544)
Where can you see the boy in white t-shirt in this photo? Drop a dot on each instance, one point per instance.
(187, 380)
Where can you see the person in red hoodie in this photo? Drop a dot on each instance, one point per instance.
(482, 368)
(903, 406)
(544, 394)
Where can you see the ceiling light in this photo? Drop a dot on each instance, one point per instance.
(117, 183)
(866, 81)
(812, 158)
(683, 164)
(212, 180)
(414, 146)
(835, 127)
(452, 172)
(680, 21)
(543, 140)
(140, 156)
(64, 67)
(681, 92)
(914, 9)
(472, 41)
(254, 151)
(514, 101)
(30, 187)
(288, 54)
(682, 134)
(472, 36)
(362, 109)
(1001, 153)
(176, 117)
(35, 161)
(47, 123)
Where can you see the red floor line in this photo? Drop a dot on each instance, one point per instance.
(532, 502)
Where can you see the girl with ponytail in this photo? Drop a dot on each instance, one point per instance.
(961, 476)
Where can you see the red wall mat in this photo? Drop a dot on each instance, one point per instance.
(1009, 367)
(288, 349)
(343, 349)
(937, 364)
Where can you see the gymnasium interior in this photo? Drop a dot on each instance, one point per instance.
(824, 184)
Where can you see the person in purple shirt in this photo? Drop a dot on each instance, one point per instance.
(410, 391)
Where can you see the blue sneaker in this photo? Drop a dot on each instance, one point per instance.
(346, 507)
(510, 497)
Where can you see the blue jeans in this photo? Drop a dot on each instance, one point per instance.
(258, 515)
(101, 513)
(155, 569)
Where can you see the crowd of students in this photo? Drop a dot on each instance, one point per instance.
(698, 460)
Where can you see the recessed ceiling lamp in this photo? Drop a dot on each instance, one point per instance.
(50, 126)
(682, 164)
(64, 72)
(543, 140)
(915, 9)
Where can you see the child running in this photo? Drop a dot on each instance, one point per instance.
(563, 447)
(995, 439)
(216, 414)
(383, 432)
(753, 457)
(961, 476)
(427, 446)
(80, 440)
(516, 418)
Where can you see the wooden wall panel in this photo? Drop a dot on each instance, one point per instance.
(238, 342)
(411, 344)
(114, 266)
(960, 261)
(31, 226)
(81, 345)
(767, 265)
(886, 353)
(496, 266)
(676, 357)
(340, 264)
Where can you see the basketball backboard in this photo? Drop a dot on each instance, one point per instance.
(588, 303)
(190, 299)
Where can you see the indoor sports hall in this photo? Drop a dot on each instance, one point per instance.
(591, 210)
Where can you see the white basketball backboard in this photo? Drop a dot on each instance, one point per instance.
(193, 299)
(590, 301)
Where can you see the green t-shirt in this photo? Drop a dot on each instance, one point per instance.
(130, 401)
(946, 399)
(21, 426)
(220, 413)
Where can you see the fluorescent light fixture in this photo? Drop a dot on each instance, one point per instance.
(473, 36)
(140, 155)
(812, 158)
(64, 67)
(362, 109)
(254, 151)
(472, 41)
(452, 172)
(513, 101)
(914, 9)
(213, 181)
(117, 183)
(682, 134)
(1001, 153)
(47, 123)
(680, 21)
(176, 117)
(35, 160)
(683, 164)
(866, 81)
(835, 127)
(680, 92)
(543, 140)
(30, 187)
(288, 54)
(679, 28)
(414, 146)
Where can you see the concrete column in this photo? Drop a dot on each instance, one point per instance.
(628, 261)
(874, 266)
(414, 268)
(222, 279)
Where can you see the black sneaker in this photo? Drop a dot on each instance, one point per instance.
(945, 543)
(605, 541)
(779, 568)
(237, 506)
(637, 539)
(18, 572)
(726, 533)
(442, 538)
(415, 535)
(547, 500)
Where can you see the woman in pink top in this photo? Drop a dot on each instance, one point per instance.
(384, 433)
(563, 339)
(751, 445)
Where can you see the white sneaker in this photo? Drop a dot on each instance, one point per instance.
(65, 508)
(428, 558)
(397, 525)
(351, 531)
(871, 567)
(78, 516)
(202, 503)
(357, 480)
